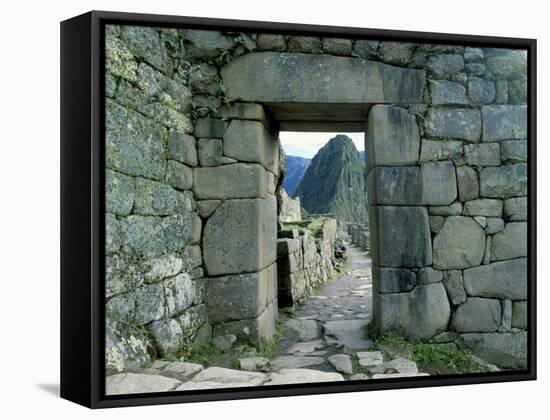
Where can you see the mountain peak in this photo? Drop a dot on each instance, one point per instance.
(334, 181)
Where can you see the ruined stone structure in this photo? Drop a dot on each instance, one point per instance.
(305, 259)
(289, 208)
(359, 234)
(192, 163)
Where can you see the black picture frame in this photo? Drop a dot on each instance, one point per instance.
(82, 205)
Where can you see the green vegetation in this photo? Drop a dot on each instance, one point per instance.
(433, 358)
(315, 226)
(209, 355)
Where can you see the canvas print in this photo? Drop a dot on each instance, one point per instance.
(290, 209)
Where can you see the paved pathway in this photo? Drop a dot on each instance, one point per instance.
(325, 340)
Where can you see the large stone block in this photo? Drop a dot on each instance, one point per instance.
(250, 141)
(508, 66)
(239, 180)
(133, 143)
(206, 43)
(447, 92)
(444, 65)
(149, 303)
(468, 183)
(507, 350)
(505, 280)
(440, 150)
(438, 183)
(182, 147)
(157, 198)
(126, 346)
(307, 78)
(434, 183)
(519, 314)
(119, 193)
(150, 236)
(417, 315)
(484, 154)
(257, 330)
(481, 91)
(504, 181)
(180, 293)
(392, 280)
(144, 42)
(483, 207)
(393, 137)
(459, 244)
(510, 243)
(400, 236)
(504, 122)
(477, 315)
(454, 284)
(241, 236)
(513, 151)
(464, 124)
(515, 209)
(241, 296)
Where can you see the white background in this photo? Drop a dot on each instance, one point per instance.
(29, 231)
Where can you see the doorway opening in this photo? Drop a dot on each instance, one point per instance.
(324, 271)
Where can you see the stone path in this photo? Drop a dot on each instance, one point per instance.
(325, 340)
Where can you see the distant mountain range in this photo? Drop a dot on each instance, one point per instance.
(334, 181)
(296, 168)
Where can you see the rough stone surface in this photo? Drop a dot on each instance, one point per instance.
(494, 225)
(506, 280)
(477, 315)
(504, 181)
(433, 183)
(519, 314)
(249, 141)
(443, 65)
(504, 122)
(240, 180)
(393, 136)
(468, 183)
(300, 376)
(447, 92)
(440, 150)
(407, 226)
(454, 285)
(240, 296)
(351, 335)
(481, 91)
(237, 226)
(393, 280)
(459, 244)
(515, 209)
(419, 314)
(136, 383)
(507, 350)
(483, 207)
(296, 75)
(182, 147)
(370, 358)
(513, 151)
(464, 124)
(428, 275)
(510, 243)
(484, 154)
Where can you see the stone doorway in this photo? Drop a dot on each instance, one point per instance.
(193, 168)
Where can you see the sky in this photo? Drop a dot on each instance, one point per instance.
(307, 144)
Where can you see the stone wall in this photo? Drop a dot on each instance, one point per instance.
(305, 258)
(289, 208)
(193, 167)
(359, 234)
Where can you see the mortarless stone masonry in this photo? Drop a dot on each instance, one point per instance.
(183, 108)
